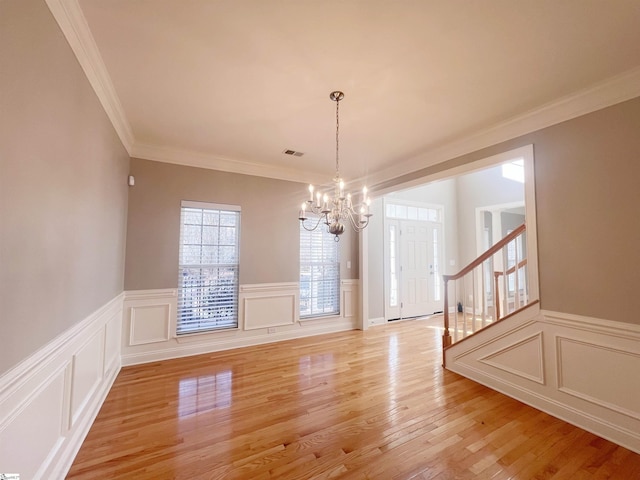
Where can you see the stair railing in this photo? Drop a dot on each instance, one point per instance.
(518, 291)
(489, 288)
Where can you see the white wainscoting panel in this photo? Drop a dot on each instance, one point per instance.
(268, 305)
(523, 358)
(149, 316)
(87, 366)
(49, 401)
(580, 369)
(349, 298)
(150, 324)
(267, 313)
(600, 374)
(35, 432)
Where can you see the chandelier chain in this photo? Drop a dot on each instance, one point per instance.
(337, 138)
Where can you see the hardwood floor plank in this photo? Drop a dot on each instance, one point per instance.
(350, 405)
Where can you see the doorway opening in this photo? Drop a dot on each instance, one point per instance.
(439, 224)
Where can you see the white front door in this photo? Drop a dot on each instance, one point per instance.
(420, 261)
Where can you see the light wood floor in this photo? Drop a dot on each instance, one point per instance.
(351, 405)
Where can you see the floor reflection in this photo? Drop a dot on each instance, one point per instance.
(313, 367)
(392, 363)
(204, 393)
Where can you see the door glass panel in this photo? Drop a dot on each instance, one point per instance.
(393, 274)
(436, 265)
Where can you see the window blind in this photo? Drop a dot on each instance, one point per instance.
(208, 267)
(319, 273)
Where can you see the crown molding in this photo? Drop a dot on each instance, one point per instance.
(202, 160)
(604, 94)
(74, 26)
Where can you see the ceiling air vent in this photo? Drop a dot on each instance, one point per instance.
(293, 152)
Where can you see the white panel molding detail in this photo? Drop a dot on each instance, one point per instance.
(150, 324)
(49, 401)
(349, 298)
(512, 348)
(593, 325)
(272, 316)
(149, 316)
(87, 367)
(268, 305)
(590, 365)
(630, 380)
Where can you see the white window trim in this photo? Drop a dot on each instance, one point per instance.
(209, 206)
(338, 314)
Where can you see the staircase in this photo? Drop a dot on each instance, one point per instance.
(490, 289)
(580, 369)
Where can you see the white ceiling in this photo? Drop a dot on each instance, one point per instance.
(230, 84)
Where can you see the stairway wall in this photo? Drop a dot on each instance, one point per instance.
(580, 369)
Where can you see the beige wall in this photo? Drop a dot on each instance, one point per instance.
(63, 193)
(587, 197)
(269, 250)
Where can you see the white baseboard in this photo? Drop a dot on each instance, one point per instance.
(377, 321)
(49, 401)
(268, 313)
(580, 369)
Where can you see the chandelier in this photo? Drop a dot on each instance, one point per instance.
(335, 210)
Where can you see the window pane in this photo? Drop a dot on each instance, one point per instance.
(209, 235)
(391, 210)
(192, 234)
(190, 255)
(227, 236)
(319, 273)
(208, 270)
(191, 216)
(228, 218)
(211, 217)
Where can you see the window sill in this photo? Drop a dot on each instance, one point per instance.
(327, 317)
(198, 336)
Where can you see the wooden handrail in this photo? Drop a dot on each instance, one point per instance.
(512, 269)
(486, 255)
(446, 336)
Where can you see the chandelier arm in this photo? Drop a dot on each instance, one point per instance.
(312, 228)
(354, 224)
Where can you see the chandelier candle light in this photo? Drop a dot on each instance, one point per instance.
(334, 211)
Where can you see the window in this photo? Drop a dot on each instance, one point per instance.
(514, 170)
(393, 274)
(319, 273)
(208, 267)
(404, 212)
